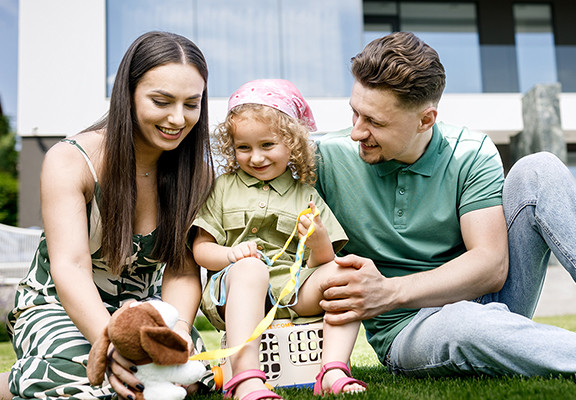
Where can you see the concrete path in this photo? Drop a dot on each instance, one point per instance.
(558, 294)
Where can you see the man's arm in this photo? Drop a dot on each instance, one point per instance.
(360, 292)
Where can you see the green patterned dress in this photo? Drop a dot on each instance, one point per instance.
(51, 352)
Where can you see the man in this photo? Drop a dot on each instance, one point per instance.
(446, 260)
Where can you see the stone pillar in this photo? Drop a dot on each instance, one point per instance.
(542, 125)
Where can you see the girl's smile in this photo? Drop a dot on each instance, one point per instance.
(259, 152)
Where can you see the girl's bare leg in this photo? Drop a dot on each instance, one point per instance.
(339, 340)
(247, 288)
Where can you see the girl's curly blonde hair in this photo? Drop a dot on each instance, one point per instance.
(293, 133)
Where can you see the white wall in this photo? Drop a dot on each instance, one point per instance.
(62, 80)
(61, 65)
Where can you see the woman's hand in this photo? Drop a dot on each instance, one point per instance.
(121, 376)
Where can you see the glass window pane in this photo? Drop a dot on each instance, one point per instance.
(241, 42)
(451, 29)
(534, 41)
(318, 38)
(380, 19)
(128, 19)
(309, 43)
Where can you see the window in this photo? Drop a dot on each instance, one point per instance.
(534, 45)
(450, 28)
(308, 43)
(380, 19)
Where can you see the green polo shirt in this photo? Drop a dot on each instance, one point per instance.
(406, 218)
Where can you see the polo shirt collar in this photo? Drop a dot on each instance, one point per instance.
(424, 165)
(280, 184)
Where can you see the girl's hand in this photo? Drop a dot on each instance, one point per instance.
(242, 250)
(320, 236)
(121, 376)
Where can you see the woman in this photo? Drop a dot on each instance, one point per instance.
(117, 202)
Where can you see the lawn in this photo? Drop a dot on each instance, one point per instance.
(382, 385)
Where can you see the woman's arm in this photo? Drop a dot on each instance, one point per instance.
(66, 183)
(182, 289)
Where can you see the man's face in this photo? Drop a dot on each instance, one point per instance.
(385, 131)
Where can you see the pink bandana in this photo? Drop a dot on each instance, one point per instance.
(276, 93)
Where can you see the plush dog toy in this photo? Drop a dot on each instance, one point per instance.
(142, 332)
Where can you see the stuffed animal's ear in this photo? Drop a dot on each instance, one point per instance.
(98, 359)
(163, 345)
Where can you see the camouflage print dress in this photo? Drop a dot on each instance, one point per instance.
(51, 351)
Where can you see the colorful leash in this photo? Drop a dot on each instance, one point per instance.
(290, 285)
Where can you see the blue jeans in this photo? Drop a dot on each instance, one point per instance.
(495, 335)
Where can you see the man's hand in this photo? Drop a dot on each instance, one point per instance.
(356, 292)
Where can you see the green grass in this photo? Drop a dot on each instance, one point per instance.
(382, 385)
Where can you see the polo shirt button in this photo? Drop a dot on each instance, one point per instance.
(254, 230)
(259, 247)
(402, 191)
(265, 187)
(262, 204)
(400, 213)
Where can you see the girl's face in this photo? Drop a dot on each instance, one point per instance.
(167, 101)
(259, 151)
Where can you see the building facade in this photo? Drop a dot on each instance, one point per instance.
(493, 52)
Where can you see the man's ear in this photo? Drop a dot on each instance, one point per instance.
(428, 118)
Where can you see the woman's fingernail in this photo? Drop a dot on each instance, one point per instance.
(130, 397)
(140, 387)
(133, 368)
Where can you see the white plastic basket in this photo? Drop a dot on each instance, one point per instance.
(290, 355)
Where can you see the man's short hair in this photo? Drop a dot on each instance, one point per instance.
(403, 64)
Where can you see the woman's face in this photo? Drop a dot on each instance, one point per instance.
(167, 101)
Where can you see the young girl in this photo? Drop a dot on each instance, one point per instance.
(252, 211)
(117, 203)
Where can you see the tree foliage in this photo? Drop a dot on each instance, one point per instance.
(8, 174)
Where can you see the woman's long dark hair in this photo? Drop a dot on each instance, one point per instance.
(184, 175)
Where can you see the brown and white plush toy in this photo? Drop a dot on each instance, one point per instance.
(142, 332)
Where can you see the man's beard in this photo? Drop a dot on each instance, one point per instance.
(377, 159)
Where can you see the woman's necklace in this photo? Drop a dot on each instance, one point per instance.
(146, 174)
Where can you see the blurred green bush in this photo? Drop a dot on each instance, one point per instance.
(8, 174)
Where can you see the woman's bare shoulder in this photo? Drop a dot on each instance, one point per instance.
(65, 160)
(66, 151)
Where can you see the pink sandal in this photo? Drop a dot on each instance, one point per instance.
(230, 387)
(340, 383)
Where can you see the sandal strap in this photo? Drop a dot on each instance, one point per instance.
(334, 365)
(338, 386)
(337, 365)
(230, 386)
